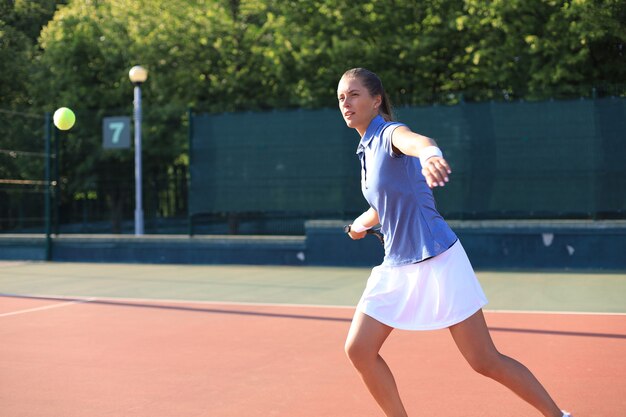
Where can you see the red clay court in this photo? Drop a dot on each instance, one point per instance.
(102, 340)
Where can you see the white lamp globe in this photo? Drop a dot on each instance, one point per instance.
(138, 74)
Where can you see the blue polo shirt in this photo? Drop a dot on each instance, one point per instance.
(394, 186)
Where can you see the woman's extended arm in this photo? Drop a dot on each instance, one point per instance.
(434, 167)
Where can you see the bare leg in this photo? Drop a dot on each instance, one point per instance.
(365, 338)
(474, 341)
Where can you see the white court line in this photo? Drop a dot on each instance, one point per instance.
(82, 299)
(48, 307)
(12, 263)
(573, 313)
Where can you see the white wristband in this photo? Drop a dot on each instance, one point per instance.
(429, 152)
(358, 227)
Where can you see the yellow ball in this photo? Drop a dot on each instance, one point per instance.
(64, 118)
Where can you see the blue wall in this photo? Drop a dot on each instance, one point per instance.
(574, 245)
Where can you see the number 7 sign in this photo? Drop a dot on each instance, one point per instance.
(116, 132)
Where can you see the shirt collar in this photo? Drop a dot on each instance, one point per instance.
(370, 132)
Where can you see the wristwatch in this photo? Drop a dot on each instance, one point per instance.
(346, 228)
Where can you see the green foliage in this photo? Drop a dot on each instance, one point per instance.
(263, 54)
(15, 55)
(539, 49)
(20, 23)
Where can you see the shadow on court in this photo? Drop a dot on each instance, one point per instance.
(152, 305)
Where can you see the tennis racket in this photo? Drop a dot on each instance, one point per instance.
(379, 236)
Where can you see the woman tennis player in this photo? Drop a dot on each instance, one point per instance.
(426, 280)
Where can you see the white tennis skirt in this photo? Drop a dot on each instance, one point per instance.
(432, 294)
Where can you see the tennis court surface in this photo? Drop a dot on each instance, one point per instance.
(222, 341)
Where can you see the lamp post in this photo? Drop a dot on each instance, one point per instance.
(138, 75)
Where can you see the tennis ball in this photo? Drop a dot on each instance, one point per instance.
(64, 118)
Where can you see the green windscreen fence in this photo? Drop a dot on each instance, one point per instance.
(277, 164)
(518, 160)
(22, 171)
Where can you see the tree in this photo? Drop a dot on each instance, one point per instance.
(540, 49)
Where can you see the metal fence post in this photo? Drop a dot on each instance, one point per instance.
(47, 184)
(190, 147)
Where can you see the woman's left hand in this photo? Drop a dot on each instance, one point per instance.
(436, 171)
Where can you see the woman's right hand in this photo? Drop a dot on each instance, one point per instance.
(436, 171)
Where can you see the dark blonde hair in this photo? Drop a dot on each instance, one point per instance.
(375, 87)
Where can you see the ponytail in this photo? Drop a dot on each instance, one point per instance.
(386, 110)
